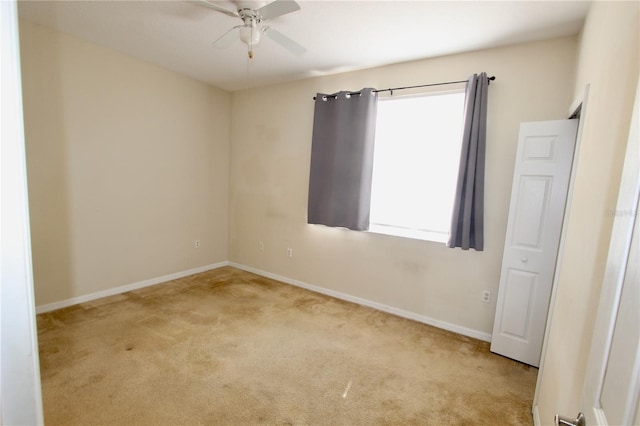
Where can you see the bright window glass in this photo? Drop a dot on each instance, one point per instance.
(416, 158)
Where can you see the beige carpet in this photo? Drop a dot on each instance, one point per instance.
(232, 348)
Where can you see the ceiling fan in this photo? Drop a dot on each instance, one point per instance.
(254, 24)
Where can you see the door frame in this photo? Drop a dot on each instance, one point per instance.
(616, 266)
(21, 401)
(577, 109)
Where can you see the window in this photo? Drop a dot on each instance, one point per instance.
(415, 166)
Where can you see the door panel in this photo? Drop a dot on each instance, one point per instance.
(539, 148)
(517, 304)
(532, 205)
(538, 197)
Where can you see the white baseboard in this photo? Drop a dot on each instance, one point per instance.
(480, 335)
(123, 289)
(536, 416)
(338, 295)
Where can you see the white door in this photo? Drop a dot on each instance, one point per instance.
(20, 393)
(538, 197)
(612, 385)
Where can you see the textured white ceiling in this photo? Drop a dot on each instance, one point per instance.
(339, 35)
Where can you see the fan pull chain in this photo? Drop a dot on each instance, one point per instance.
(248, 69)
(251, 40)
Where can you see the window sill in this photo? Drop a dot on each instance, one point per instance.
(414, 234)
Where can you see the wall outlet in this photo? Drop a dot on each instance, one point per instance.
(196, 243)
(261, 246)
(486, 296)
(289, 252)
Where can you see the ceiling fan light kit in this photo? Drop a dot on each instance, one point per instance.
(249, 36)
(253, 27)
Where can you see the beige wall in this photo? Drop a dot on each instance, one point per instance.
(127, 166)
(270, 155)
(129, 163)
(608, 62)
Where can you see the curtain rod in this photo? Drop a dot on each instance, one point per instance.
(391, 89)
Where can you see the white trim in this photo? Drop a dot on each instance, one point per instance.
(416, 234)
(536, 416)
(476, 334)
(21, 402)
(125, 288)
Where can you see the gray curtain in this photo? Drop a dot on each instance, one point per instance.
(467, 226)
(342, 159)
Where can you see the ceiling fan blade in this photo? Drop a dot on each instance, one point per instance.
(218, 8)
(285, 41)
(227, 39)
(278, 8)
